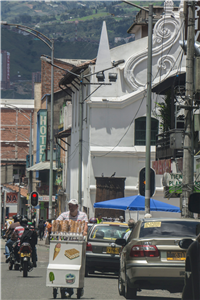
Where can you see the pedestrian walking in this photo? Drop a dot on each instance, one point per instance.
(41, 228)
(48, 227)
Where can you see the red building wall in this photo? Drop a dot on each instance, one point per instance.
(15, 134)
(58, 75)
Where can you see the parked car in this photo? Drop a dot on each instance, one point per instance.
(151, 257)
(89, 228)
(102, 254)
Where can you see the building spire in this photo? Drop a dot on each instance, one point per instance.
(103, 56)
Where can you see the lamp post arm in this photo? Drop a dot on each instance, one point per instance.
(32, 31)
(114, 66)
(138, 6)
(92, 93)
(49, 62)
(17, 109)
(50, 44)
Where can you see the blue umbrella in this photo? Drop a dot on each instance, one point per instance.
(136, 203)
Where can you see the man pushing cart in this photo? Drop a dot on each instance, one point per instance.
(66, 268)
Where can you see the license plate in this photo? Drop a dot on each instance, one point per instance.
(111, 250)
(25, 254)
(176, 255)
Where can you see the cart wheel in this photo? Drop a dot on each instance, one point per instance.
(79, 293)
(55, 293)
(62, 292)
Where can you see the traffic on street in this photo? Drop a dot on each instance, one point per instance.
(96, 286)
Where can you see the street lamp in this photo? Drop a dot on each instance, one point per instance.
(50, 44)
(20, 110)
(81, 77)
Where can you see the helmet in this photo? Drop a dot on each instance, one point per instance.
(18, 218)
(24, 221)
(93, 220)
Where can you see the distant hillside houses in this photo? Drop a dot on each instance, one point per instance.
(126, 40)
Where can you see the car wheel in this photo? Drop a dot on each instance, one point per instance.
(130, 293)
(121, 287)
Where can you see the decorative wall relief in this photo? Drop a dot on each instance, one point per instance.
(165, 41)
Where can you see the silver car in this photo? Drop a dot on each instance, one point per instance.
(151, 257)
(102, 254)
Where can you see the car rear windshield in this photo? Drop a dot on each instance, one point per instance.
(168, 229)
(110, 232)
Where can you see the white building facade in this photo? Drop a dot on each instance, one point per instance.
(112, 142)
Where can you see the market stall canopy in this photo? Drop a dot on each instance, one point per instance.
(43, 165)
(137, 203)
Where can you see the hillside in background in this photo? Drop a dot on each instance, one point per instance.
(75, 27)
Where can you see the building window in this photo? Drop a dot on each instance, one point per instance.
(140, 131)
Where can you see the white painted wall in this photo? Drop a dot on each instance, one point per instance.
(110, 113)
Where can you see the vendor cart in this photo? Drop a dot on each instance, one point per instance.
(66, 268)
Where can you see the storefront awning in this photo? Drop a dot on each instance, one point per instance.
(43, 165)
(63, 134)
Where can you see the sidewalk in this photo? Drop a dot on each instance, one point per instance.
(42, 243)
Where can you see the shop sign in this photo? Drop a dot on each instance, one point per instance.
(12, 198)
(174, 183)
(42, 132)
(46, 198)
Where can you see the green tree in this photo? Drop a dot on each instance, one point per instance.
(164, 109)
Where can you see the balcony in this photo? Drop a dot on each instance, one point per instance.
(163, 150)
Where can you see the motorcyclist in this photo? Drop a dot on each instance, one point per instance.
(33, 242)
(17, 233)
(11, 239)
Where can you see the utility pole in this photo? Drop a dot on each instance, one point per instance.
(81, 101)
(51, 133)
(1, 221)
(148, 112)
(188, 149)
(148, 106)
(30, 172)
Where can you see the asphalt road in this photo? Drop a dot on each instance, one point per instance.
(33, 287)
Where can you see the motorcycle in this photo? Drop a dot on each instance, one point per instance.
(25, 253)
(13, 261)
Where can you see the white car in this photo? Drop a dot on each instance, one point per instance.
(151, 257)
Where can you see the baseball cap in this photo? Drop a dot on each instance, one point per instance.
(73, 201)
